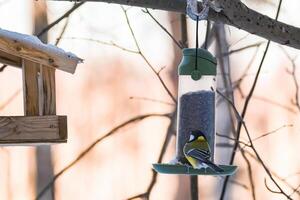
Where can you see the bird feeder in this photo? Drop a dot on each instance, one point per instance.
(196, 110)
(38, 63)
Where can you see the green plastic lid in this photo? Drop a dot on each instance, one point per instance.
(206, 63)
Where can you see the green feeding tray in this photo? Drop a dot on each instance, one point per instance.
(182, 169)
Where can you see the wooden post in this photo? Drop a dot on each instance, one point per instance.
(47, 95)
(30, 87)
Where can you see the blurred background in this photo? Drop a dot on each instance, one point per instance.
(116, 83)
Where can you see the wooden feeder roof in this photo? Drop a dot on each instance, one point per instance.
(16, 46)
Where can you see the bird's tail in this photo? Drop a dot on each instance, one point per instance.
(214, 166)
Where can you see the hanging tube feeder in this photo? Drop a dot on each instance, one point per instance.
(196, 112)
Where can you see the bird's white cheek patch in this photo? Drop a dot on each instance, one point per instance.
(191, 137)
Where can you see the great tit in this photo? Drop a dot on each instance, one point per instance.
(197, 152)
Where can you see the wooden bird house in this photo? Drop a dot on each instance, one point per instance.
(38, 63)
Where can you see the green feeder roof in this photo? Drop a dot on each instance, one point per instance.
(202, 53)
(206, 63)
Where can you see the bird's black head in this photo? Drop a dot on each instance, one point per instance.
(195, 134)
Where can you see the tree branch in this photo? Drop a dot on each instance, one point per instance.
(165, 30)
(171, 130)
(146, 60)
(89, 148)
(67, 14)
(281, 191)
(234, 13)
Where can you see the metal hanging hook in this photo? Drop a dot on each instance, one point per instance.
(192, 9)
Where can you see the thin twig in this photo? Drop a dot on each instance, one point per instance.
(66, 14)
(293, 74)
(170, 132)
(239, 40)
(91, 146)
(250, 174)
(222, 48)
(10, 99)
(268, 188)
(145, 59)
(273, 173)
(58, 39)
(272, 102)
(164, 29)
(240, 123)
(295, 190)
(269, 133)
(111, 43)
(249, 166)
(237, 84)
(235, 182)
(2, 68)
(153, 100)
(257, 154)
(243, 48)
(291, 175)
(232, 139)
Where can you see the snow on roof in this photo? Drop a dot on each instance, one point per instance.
(31, 48)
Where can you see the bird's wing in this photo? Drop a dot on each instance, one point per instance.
(203, 157)
(199, 153)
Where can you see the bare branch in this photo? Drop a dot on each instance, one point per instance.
(145, 59)
(2, 68)
(241, 122)
(238, 83)
(111, 43)
(258, 157)
(232, 139)
(250, 174)
(274, 174)
(234, 13)
(164, 29)
(235, 182)
(275, 103)
(67, 14)
(268, 188)
(293, 73)
(224, 61)
(58, 39)
(243, 48)
(10, 99)
(269, 133)
(171, 130)
(295, 190)
(153, 100)
(90, 147)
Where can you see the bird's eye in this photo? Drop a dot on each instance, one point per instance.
(191, 138)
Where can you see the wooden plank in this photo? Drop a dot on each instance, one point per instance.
(10, 59)
(47, 95)
(30, 87)
(33, 129)
(30, 48)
